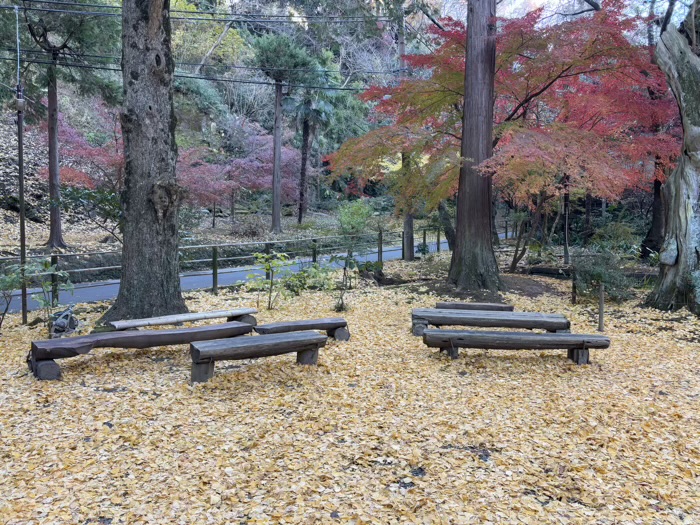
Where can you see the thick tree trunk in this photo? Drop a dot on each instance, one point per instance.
(655, 236)
(305, 140)
(276, 162)
(55, 229)
(150, 283)
(447, 225)
(473, 265)
(679, 281)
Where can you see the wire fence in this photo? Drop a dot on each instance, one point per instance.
(223, 258)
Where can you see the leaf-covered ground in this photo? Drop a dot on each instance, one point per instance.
(384, 430)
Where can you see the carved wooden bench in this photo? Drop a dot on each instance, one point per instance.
(43, 353)
(335, 327)
(496, 307)
(205, 354)
(422, 317)
(576, 345)
(242, 315)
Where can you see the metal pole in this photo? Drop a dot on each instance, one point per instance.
(314, 251)
(22, 207)
(438, 240)
(403, 245)
(425, 240)
(215, 270)
(380, 250)
(267, 252)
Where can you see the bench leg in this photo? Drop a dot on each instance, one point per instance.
(202, 372)
(307, 357)
(453, 352)
(339, 334)
(46, 370)
(419, 327)
(247, 318)
(580, 356)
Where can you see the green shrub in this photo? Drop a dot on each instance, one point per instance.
(595, 267)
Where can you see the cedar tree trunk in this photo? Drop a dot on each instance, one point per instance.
(55, 230)
(473, 265)
(276, 161)
(305, 141)
(679, 281)
(447, 225)
(655, 236)
(150, 283)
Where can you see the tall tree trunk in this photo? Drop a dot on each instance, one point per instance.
(150, 283)
(276, 162)
(447, 225)
(655, 236)
(305, 140)
(587, 226)
(473, 265)
(679, 281)
(55, 229)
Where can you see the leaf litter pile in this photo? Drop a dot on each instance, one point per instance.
(384, 430)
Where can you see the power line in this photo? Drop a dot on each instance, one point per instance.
(195, 77)
(201, 18)
(224, 66)
(209, 13)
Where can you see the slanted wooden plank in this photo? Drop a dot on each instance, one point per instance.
(180, 318)
(512, 340)
(258, 346)
(73, 346)
(329, 324)
(528, 320)
(498, 307)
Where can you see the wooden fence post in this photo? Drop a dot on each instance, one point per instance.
(425, 241)
(601, 307)
(268, 250)
(314, 251)
(54, 281)
(380, 248)
(215, 270)
(438, 240)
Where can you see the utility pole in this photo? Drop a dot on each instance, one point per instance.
(20, 104)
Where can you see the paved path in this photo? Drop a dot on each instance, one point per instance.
(106, 290)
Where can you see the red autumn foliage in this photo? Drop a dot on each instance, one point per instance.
(583, 98)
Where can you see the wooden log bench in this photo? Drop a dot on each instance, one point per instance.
(41, 358)
(422, 317)
(335, 327)
(495, 307)
(205, 354)
(242, 315)
(576, 345)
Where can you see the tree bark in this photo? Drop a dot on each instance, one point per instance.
(447, 225)
(305, 140)
(473, 265)
(150, 283)
(55, 229)
(679, 280)
(277, 161)
(654, 239)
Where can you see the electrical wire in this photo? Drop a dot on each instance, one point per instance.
(222, 13)
(194, 77)
(201, 18)
(225, 66)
